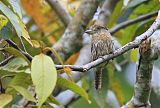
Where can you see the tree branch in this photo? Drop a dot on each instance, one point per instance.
(119, 51)
(142, 89)
(132, 21)
(60, 11)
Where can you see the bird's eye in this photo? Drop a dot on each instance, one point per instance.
(98, 28)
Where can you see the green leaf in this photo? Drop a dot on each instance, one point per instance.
(145, 8)
(6, 31)
(116, 13)
(73, 87)
(24, 92)
(7, 72)
(134, 55)
(44, 77)
(129, 34)
(5, 99)
(15, 64)
(53, 100)
(21, 79)
(143, 26)
(16, 22)
(15, 52)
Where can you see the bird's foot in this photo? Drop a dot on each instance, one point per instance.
(101, 57)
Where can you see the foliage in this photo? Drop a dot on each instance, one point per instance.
(40, 27)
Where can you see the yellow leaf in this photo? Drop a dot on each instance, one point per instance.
(72, 59)
(36, 44)
(51, 39)
(134, 55)
(5, 99)
(25, 33)
(3, 21)
(68, 71)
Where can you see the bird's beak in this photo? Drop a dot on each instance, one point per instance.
(88, 31)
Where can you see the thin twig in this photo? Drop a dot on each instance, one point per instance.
(119, 51)
(132, 21)
(14, 45)
(4, 62)
(22, 44)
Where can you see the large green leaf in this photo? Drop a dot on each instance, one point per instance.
(15, 52)
(73, 87)
(44, 77)
(24, 92)
(16, 22)
(5, 99)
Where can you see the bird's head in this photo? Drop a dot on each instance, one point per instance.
(96, 28)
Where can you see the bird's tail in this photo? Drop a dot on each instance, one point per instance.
(98, 78)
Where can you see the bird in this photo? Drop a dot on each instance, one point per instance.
(101, 44)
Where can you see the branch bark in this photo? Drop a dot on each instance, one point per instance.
(60, 11)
